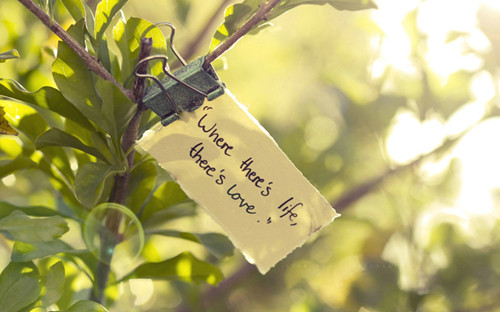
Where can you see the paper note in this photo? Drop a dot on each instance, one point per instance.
(230, 165)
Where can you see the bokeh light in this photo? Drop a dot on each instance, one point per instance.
(112, 229)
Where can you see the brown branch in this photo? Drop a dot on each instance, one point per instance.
(120, 186)
(91, 62)
(260, 15)
(371, 185)
(195, 44)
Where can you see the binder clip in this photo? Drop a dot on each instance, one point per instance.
(183, 90)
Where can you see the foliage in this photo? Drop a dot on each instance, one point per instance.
(236, 15)
(394, 249)
(73, 135)
(11, 54)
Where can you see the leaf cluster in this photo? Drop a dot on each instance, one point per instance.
(236, 15)
(70, 132)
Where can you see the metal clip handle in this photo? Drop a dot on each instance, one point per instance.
(185, 90)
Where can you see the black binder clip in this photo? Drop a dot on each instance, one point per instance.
(184, 90)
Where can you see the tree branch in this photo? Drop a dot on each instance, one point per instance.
(91, 62)
(246, 269)
(195, 43)
(260, 15)
(371, 185)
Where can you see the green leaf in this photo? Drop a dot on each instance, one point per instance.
(106, 10)
(75, 9)
(89, 19)
(13, 272)
(58, 160)
(24, 119)
(86, 306)
(96, 140)
(128, 39)
(234, 17)
(60, 183)
(349, 5)
(9, 281)
(54, 284)
(18, 226)
(217, 244)
(117, 109)
(35, 211)
(76, 82)
(183, 267)
(43, 3)
(89, 182)
(55, 161)
(47, 6)
(11, 166)
(56, 137)
(20, 294)
(186, 209)
(141, 184)
(27, 121)
(168, 194)
(352, 5)
(51, 8)
(8, 55)
(23, 252)
(48, 98)
(80, 10)
(98, 100)
(103, 53)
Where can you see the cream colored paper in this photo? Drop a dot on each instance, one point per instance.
(225, 161)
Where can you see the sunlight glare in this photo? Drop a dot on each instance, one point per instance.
(453, 42)
(479, 154)
(444, 57)
(9, 180)
(482, 86)
(320, 133)
(184, 268)
(395, 46)
(438, 17)
(493, 4)
(466, 116)
(142, 289)
(410, 138)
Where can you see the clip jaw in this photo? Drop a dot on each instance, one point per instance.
(185, 91)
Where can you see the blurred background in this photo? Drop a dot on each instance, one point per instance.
(393, 114)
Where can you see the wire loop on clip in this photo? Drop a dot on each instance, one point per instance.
(171, 44)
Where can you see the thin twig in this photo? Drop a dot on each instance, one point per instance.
(91, 62)
(371, 185)
(196, 42)
(260, 15)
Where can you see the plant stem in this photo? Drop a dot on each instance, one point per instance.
(260, 15)
(91, 62)
(120, 186)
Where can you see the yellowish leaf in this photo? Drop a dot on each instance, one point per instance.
(5, 128)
